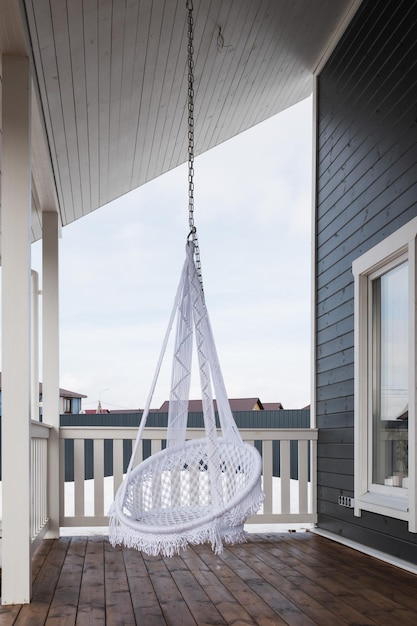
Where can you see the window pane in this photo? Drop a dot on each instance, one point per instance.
(390, 377)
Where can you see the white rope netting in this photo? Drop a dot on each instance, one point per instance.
(200, 490)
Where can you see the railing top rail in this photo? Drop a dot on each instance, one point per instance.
(39, 430)
(126, 432)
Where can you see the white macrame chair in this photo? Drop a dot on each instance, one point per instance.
(196, 491)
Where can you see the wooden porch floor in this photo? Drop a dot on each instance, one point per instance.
(298, 579)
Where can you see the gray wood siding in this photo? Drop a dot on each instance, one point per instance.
(366, 189)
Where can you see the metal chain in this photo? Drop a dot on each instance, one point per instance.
(190, 57)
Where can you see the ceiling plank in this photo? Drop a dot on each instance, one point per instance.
(118, 33)
(104, 95)
(91, 82)
(79, 126)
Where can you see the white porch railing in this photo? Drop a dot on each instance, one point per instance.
(85, 503)
(39, 481)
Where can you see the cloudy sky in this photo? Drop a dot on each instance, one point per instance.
(120, 266)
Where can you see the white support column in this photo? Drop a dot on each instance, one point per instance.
(50, 334)
(16, 327)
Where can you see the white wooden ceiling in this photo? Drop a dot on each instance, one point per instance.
(111, 76)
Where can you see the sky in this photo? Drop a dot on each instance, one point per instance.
(120, 267)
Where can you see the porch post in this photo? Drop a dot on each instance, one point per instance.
(50, 387)
(16, 332)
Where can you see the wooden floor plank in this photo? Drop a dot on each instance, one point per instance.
(296, 579)
(64, 605)
(144, 599)
(44, 585)
(40, 555)
(173, 605)
(231, 611)
(367, 575)
(287, 610)
(262, 565)
(321, 577)
(334, 610)
(202, 609)
(91, 603)
(8, 614)
(258, 609)
(119, 608)
(369, 597)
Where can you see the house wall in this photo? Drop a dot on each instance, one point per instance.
(75, 405)
(366, 189)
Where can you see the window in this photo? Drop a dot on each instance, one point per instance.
(68, 405)
(385, 377)
(389, 373)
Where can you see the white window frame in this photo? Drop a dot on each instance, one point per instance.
(392, 501)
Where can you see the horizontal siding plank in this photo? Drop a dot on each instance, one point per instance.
(336, 435)
(335, 345)
(334, 450)
(330, 318)
(335, 375)
(340, 466)
(337, 481)
(374, 45)
(333, 278)
(340, 297)
(368, 165)
(335, 360)
(350, 60)
(369, 146)
(376, 198)
(335, 420)
(336, 405)
(337, 390)
(332, 494)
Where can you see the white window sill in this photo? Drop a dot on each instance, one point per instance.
(391, 506)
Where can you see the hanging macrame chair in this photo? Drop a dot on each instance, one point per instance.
(197, 490)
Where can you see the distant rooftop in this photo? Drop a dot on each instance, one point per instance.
(236, 404)
(196, 406)
(272, 406)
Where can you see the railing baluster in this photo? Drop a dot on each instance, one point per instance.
(267, 476)
(285, 473)
(79, 477)
(303, 476)
(62, 477)
(117, 464)
(98, 477)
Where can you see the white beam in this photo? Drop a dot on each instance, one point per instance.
(50, 334)
(16, 331)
